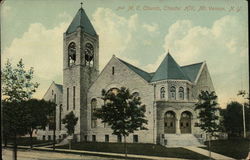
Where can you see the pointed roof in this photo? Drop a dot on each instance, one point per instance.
(169, 69)
(145, 75)
(192, 70)
(81, 20)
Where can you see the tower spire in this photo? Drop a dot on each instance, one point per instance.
(81, 4)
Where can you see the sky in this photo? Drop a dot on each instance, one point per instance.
(140, 32)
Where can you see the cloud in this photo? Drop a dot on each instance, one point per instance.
(5, 10)
(42, 49)
(224, 46)
(150, 27)
(115, 33)
(37, 47)
(190, 43)
(153, 66)
(65, 17)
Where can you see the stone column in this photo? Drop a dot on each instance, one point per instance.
(177, 124)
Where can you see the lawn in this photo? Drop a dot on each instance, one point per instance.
(235, 148)
(25, 141)
(136, 148)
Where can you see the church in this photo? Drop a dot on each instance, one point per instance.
(169, 93)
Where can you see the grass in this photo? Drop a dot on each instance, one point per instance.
(25, 141)
(136, 148)
(235, 148)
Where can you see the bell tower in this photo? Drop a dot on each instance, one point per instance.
(80, 67)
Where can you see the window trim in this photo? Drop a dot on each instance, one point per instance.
(93, 108)
(162, 93)
(113, 70)
(173, 90)
(74, 97)
(135, 138)
(106, 138)
(181, 91)
(67, 99)
(93, 138)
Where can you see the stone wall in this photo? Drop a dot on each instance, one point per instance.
(80, 76)
(123, 76)
(48, 96)
(178, 108)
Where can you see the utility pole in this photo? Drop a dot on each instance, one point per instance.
(244, 121)
(54, 126)
(54, 129)
(243, 93)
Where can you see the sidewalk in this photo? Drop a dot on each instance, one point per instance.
(103, 154)
(214, 155)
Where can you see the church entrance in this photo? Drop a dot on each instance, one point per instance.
(169, 122)
(185, 122)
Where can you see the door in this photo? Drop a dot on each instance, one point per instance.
(169, 122)
(185, 122)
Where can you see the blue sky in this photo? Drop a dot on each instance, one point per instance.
(140, 32)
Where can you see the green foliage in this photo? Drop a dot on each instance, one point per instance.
(15, 118)
(70, 120)
(17, 83)
(233, 121)
(38, 112)
(122, 111)
(208, 112)
(17, 86)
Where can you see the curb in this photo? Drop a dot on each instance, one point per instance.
(101, 154)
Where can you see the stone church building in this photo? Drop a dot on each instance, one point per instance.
(169, 93)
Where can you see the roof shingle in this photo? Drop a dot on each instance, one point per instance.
(145, 75)
(169, 69)
(81, 20)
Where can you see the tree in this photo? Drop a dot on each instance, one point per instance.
(233, 119)
(208, 114)
(38, 112)
(70, 121)
(17, 83)
(123, 112)
(17, 86)
(15, 121)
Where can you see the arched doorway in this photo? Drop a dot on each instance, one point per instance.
(169, 122)
(185, 122)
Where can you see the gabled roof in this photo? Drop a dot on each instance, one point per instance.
(169, 69)
(192, 70)
(81, 20)
(145, 75)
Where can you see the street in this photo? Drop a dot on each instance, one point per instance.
(43, 155)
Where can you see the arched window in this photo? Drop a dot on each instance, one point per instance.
(173, 92)
(188, 93)
(89, 54)
(181, 93)
(93, 109)
(136, 94)
(71, 53)
(162, 92)
(113, 90)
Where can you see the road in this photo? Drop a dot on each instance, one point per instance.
(42, 155)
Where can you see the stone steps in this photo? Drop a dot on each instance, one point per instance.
(181, 140)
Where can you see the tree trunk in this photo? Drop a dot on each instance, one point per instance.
(5, 140)
(125, 147)
(69, 144)
(15, 147)
(31, 140)
(209, 146)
